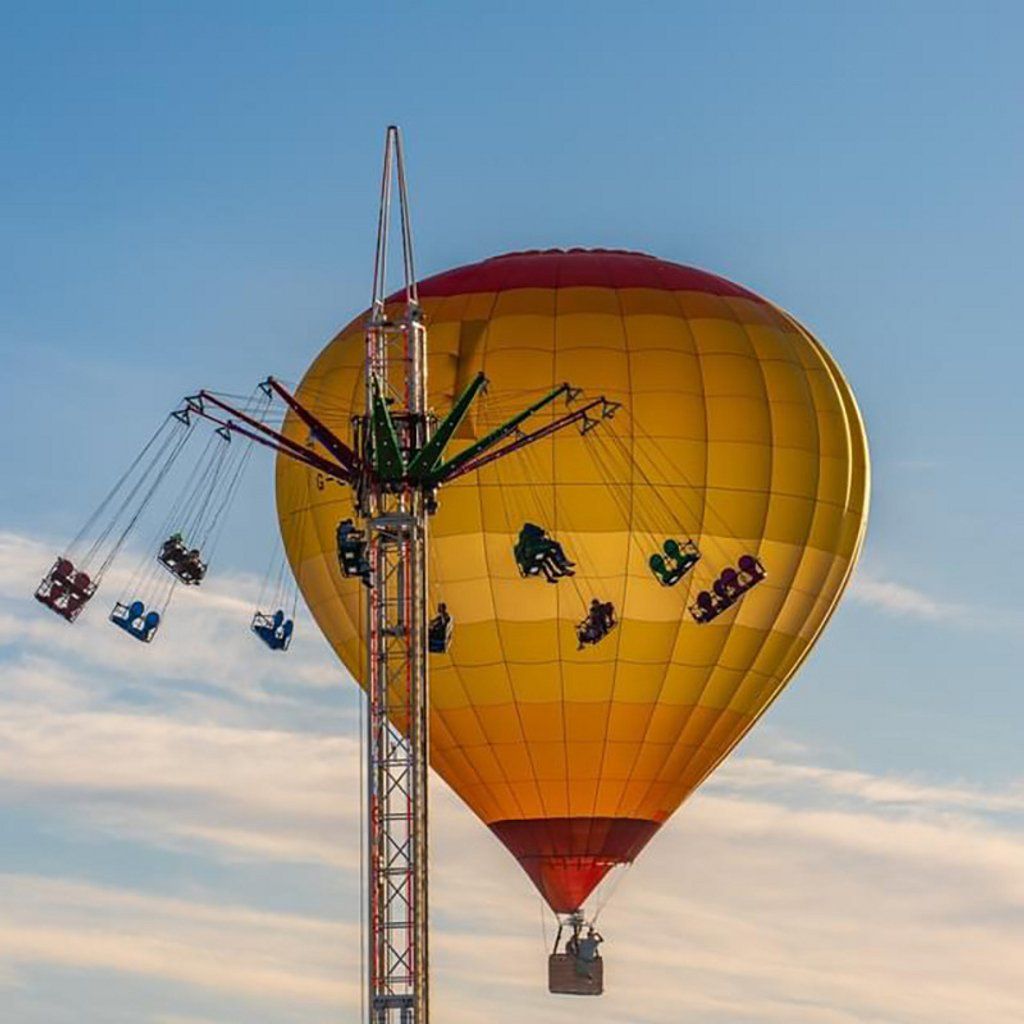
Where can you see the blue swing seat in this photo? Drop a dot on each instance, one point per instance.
(274, 630)
(135, 620)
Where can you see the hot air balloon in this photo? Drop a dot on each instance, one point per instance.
(737, 440)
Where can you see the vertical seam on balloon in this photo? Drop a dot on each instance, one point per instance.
(852, 413)
(558, 598)
(764, 518)
(856, 418)
(497, 626)
(629, 550)
(703, 514)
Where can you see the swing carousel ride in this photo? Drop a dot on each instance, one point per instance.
(571, 550)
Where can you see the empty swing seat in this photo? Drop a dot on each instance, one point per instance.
(65, 589)
(352, 549)
(184, 562)
(274, 630)
(751, 571)
(135, 620)
(730, 586)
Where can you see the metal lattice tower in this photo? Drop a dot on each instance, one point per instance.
(397, 742)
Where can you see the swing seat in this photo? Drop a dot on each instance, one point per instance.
(708, 606)
(528, 560)
(439, 637)
(534, 547)
(730, 586)
(751, 571)
(570, 976)
(135, 620)
(352, 548)
(685, 555)
(274, 630)
(181, 561)
(593, 629)
(65, 590)
(678, 559)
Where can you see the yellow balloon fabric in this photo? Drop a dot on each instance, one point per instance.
(736, 430)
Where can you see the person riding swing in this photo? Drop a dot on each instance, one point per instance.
(597, 625)
(439, 635)
(537, 553)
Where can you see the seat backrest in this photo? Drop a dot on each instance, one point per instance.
(750, 565)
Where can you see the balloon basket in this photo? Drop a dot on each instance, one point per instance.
(569, 976)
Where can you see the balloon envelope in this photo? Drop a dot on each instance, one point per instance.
(736, 430)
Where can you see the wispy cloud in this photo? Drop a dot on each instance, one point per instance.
(780, 776)
(900, 599)
(234, 949)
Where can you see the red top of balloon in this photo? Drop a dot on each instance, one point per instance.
(577, 268)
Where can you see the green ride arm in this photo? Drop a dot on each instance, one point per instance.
(427, 458)
(439, 474)
(387, 453)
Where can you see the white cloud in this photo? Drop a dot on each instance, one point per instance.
(786, 892)
(250, 792)
(899, 599)
(233, 949)
(777, 776)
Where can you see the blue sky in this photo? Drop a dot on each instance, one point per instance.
(187, 198)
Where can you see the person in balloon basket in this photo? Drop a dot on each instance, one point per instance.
(584, 950)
